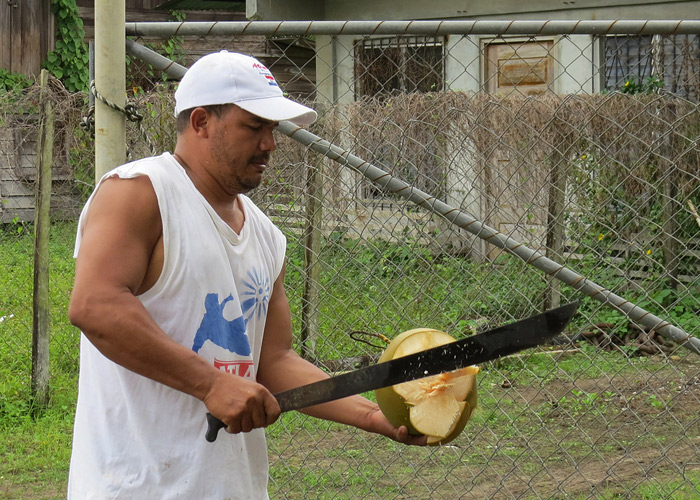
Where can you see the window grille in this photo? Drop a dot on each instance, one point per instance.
(631, 58)
(391, 66)
(398, 64)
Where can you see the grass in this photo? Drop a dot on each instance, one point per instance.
(35, 446)
(36, 453)
(560, 412)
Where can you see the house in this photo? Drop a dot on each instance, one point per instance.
(26, 35)
(27, 29)
(501, 184)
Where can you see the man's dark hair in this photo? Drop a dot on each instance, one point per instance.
(183, 119)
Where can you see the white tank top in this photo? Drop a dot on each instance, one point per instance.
(137, 439)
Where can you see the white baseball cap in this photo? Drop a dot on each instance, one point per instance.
(231, 78)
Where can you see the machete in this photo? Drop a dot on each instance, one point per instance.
(492, 344)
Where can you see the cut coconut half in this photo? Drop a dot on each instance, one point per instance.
(436, 403)
(437, 406)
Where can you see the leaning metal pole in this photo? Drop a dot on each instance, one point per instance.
(478, 228)
(456, 217)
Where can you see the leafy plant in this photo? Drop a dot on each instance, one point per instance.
(142, 76)
(654, 400)
(69, 61)
(648, 85)
(13, 81)
(17, 227)
(81, 157)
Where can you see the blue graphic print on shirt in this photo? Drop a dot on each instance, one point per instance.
(214, 327)
(231, 334)
(256, 293)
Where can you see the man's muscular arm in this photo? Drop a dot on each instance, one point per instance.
(120, 257)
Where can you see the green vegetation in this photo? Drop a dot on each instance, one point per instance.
(389, 288)
(557, 410)
(13, 81)
(143, 77)
(69, 60)
(647, 85)
(35, 451)
(542, 416)
(678, 489)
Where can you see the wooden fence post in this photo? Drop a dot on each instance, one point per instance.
(666, 111)
(312, 264)
(670, 202)
(556, 225)
(42, 223)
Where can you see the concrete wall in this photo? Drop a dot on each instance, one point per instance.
(573, 57)
(574, 60)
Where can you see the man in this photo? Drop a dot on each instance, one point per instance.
(179, 294)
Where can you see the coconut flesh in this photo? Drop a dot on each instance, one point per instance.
(437, 406)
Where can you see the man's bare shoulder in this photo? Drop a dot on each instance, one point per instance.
(123, 211)
(129, 198)
(135, 188)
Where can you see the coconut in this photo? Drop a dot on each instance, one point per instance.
(438, 406)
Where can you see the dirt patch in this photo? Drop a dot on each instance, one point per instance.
(609, 435)
(616, 472)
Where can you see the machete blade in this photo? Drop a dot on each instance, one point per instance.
(487, 346)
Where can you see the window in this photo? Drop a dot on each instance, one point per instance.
(626, 57)
(636, 57)
(398, 64)
(387, 67)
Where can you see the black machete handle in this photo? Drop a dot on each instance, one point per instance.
(214, 426)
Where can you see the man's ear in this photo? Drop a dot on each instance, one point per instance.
(199, 121)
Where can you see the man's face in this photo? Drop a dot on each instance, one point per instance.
(241, 144)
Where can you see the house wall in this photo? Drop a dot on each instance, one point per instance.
(18, 158)
(146, 11)
(265, 10)
(464, 70)
(575, 53)
(513, 9)
(572, 52)
(26, 36)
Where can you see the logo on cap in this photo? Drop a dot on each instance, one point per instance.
(266, 73)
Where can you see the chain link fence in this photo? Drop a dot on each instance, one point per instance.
(581, 147)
